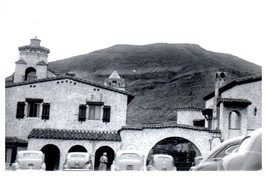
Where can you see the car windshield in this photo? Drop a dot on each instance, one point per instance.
(31, 155)
(163, 162)
(77, 156)
(244, 145)
(129, 155)
(231, 149)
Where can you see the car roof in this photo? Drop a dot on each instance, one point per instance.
(30, 151)
(161, 155)
(222, 145)
(83, 153)
(129, 151)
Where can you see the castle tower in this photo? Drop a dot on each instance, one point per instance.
(32, 63)
(219, 82)
(115, 81)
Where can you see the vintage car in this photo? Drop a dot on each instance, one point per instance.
(248, 155)
(128, 160)
(161, 162)
(211, 161)
(29, 160)
(78, 161)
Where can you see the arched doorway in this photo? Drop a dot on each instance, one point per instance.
(77, 148)
(110, 154)
(182, 150)
(52, 155)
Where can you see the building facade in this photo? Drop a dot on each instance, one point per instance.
(234, 108)
(58, 114)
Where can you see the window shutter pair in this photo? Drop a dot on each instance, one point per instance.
(20, 110)
(21, 107)
(106, 114)
(46, 111)
(82, 113)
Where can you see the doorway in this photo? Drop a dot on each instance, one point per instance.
(110, 154)
(52, 155)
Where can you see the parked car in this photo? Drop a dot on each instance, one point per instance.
(78, 161)
(248, 155)
(128, 160)
(213, 158)
(161, 162)
(29, 160)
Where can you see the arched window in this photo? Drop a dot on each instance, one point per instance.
(30, 74)
(234, 120)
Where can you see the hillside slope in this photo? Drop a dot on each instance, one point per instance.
(163, 76)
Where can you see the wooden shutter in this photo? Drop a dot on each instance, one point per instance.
(106, 114)
(46, 111)
(20, 110)
(82, 113)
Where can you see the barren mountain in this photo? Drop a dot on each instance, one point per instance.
(163, 76)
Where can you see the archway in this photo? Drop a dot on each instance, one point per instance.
(52, 155)
(234, 120)
(77, 148)
(110, 154)
(30, 74)
(182, 150)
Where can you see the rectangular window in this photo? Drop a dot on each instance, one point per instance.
(46, 111)
(94, 112)
(106, 114)
(33, 107)
(20, 110)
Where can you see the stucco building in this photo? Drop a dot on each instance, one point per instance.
(61, 113)
(234, 108)
(58, 114)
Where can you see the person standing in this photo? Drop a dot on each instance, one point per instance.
(103, 162)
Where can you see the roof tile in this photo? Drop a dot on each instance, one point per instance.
(38, 133)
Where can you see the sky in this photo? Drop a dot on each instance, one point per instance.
(73, 27)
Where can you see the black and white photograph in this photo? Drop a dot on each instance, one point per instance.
(132, 85)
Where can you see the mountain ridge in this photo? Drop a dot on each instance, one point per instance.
(163, 76)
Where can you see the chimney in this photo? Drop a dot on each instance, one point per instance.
(219, 82)
(71, 74)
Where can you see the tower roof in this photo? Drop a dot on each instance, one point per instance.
(114, 75)
(34, 45)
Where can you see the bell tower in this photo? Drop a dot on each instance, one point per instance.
(115, 81)
(32, 62)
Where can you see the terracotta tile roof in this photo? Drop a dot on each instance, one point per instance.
(160, 126)
(189, 108)
(53, 71)
(31, 47)
(239, 81)
(233, 102)
(74, 135)
(15, 140)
